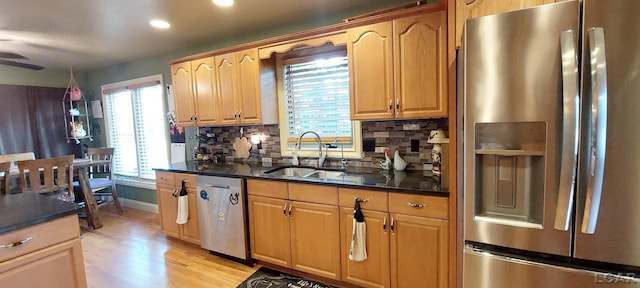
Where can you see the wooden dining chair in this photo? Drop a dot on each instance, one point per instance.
(4, 177)
(101, 177)
(50, 175)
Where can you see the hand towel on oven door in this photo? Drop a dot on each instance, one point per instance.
(221, 216)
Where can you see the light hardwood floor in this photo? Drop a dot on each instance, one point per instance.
(130, 251)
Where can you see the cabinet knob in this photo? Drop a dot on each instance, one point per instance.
(390, 107)
(397, 105)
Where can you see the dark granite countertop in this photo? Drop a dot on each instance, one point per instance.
(26, 209)
(355, 177)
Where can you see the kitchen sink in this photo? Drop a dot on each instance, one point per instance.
(304, 172)
(324, 174)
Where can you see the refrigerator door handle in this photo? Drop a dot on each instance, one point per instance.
(598, 145)
(570, 120)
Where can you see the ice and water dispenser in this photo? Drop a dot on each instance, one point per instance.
(510, 173)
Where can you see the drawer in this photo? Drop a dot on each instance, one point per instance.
(375, 200)
(42, 235)
(191, 180)
(313, 193)
(276, 189)
(164, 178)
(428, 206)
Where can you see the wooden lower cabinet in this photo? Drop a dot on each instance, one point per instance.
(167, 191)
(375, 270)
(53, 258)
(297, 235)
(168, 208)
(406, 249)
(270, 233)
(419, 251)
(315, 239)
(191, 230)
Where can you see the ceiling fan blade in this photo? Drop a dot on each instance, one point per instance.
(21, 65)
(12, 55)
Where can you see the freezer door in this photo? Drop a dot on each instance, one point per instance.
(608, 201)
(485, 270)
(514, 93)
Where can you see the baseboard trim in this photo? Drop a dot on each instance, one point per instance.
(135, 204)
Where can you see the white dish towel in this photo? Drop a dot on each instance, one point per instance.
(183, 205)
(358, 251)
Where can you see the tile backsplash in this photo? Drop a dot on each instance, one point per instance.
(382, 134)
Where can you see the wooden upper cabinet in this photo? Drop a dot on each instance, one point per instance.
(369, 49)
(398, 69)
(239, 87)
(183, 93)
(205, 94)
(420, 66)
(467, 9)
(248, 73)
(225, 70)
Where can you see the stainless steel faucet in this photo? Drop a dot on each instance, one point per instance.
(320, 156)
(343, 162)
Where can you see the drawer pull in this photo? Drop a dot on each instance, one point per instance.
(414, 205)
(164, 178)
(362, 200)
(16, 243)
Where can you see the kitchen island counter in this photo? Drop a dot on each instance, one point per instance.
(22, 210)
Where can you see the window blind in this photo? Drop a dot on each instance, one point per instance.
(136, 124)
(317, 95)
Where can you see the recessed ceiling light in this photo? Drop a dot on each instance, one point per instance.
(224, 3)
(161, 24)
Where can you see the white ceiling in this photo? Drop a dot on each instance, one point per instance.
(89, 34)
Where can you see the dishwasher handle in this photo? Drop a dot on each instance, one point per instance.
(216, 186)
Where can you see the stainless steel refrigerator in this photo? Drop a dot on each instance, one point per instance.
(551, 146)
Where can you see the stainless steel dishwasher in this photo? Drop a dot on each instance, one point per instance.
(222, 216)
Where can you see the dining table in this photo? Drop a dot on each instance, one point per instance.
(81, 171)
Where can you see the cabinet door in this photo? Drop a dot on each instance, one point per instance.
(204, 84)
(374, 271)
(191, 230)
(225, 71)
(315, 239)
(183, 93)
(168, 208)
(466, 9)
(370, 71)
(269, 229)
(420, 66)
(419, 251)
(248, 77)
(60, 265)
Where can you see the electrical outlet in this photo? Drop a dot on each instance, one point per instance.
(415, 145)
(380, 149)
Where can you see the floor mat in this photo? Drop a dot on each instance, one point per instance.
(268, 278)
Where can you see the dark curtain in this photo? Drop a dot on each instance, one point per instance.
(31, 119)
